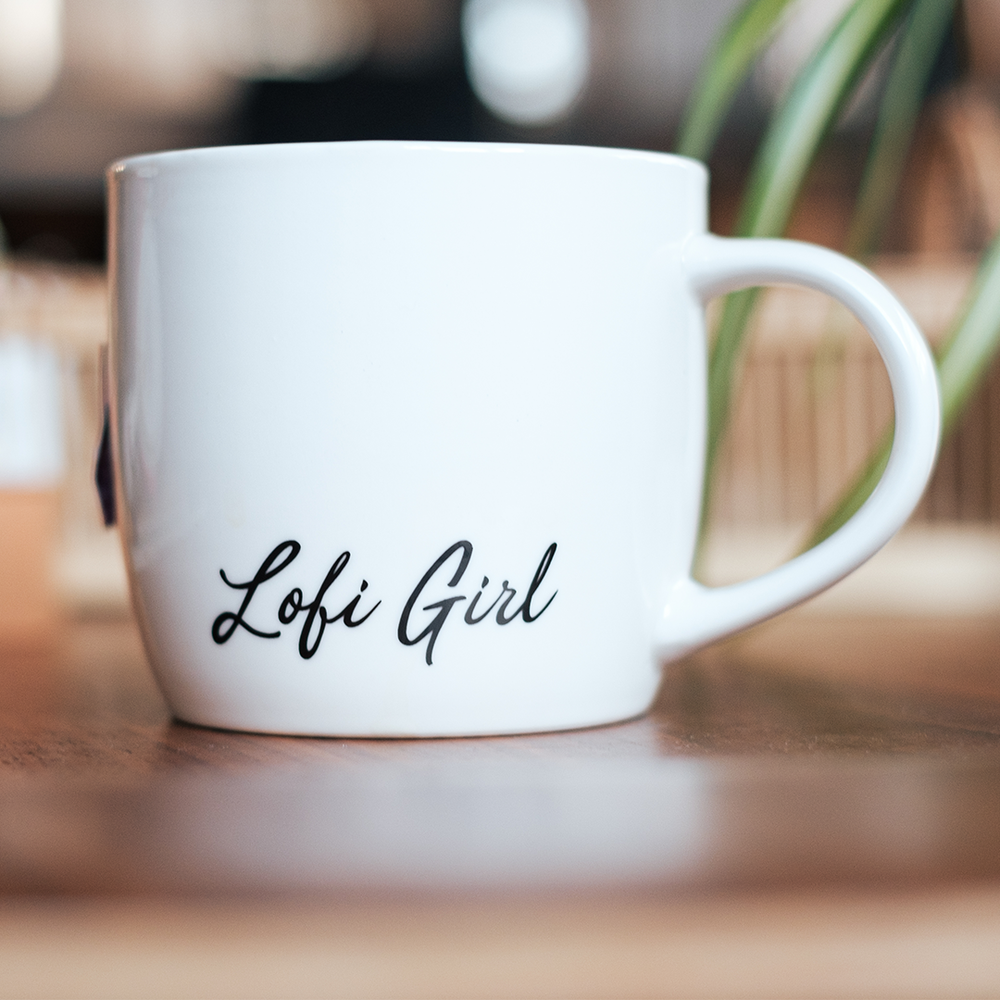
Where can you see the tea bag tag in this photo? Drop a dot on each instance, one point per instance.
(104, 470)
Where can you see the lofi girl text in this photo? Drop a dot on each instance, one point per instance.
(418, 621)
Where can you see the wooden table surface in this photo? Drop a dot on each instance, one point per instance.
(812, 810)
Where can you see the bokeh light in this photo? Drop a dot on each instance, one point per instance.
(527, 59)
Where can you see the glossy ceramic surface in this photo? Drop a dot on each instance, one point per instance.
(409, 436)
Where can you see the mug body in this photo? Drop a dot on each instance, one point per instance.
(408, 436)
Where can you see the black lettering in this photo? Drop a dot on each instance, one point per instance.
(470, 611)
(290, 607)
(434, 628)
(316, 609)
(525, 609)
(352, 606)
(543, 568)
(226, 624)
(503, 619)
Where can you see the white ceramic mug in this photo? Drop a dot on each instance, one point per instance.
(409, 437)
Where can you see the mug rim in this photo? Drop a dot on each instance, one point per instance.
(196, 154)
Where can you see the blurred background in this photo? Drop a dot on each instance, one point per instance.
(83, 82)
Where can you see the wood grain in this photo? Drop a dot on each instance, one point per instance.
(749, 772)
(812, 810)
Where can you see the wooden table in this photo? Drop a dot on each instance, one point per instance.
(810, 811)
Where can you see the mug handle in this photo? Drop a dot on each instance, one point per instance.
(696, 615)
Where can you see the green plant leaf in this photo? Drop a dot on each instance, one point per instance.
(859, 491)
(811, 108)
(920, 42)
(962, 364)
(968, 351)
(915, 53)
(921, 39)
(723, 71)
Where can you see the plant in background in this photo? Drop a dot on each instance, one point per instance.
(911, 33)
